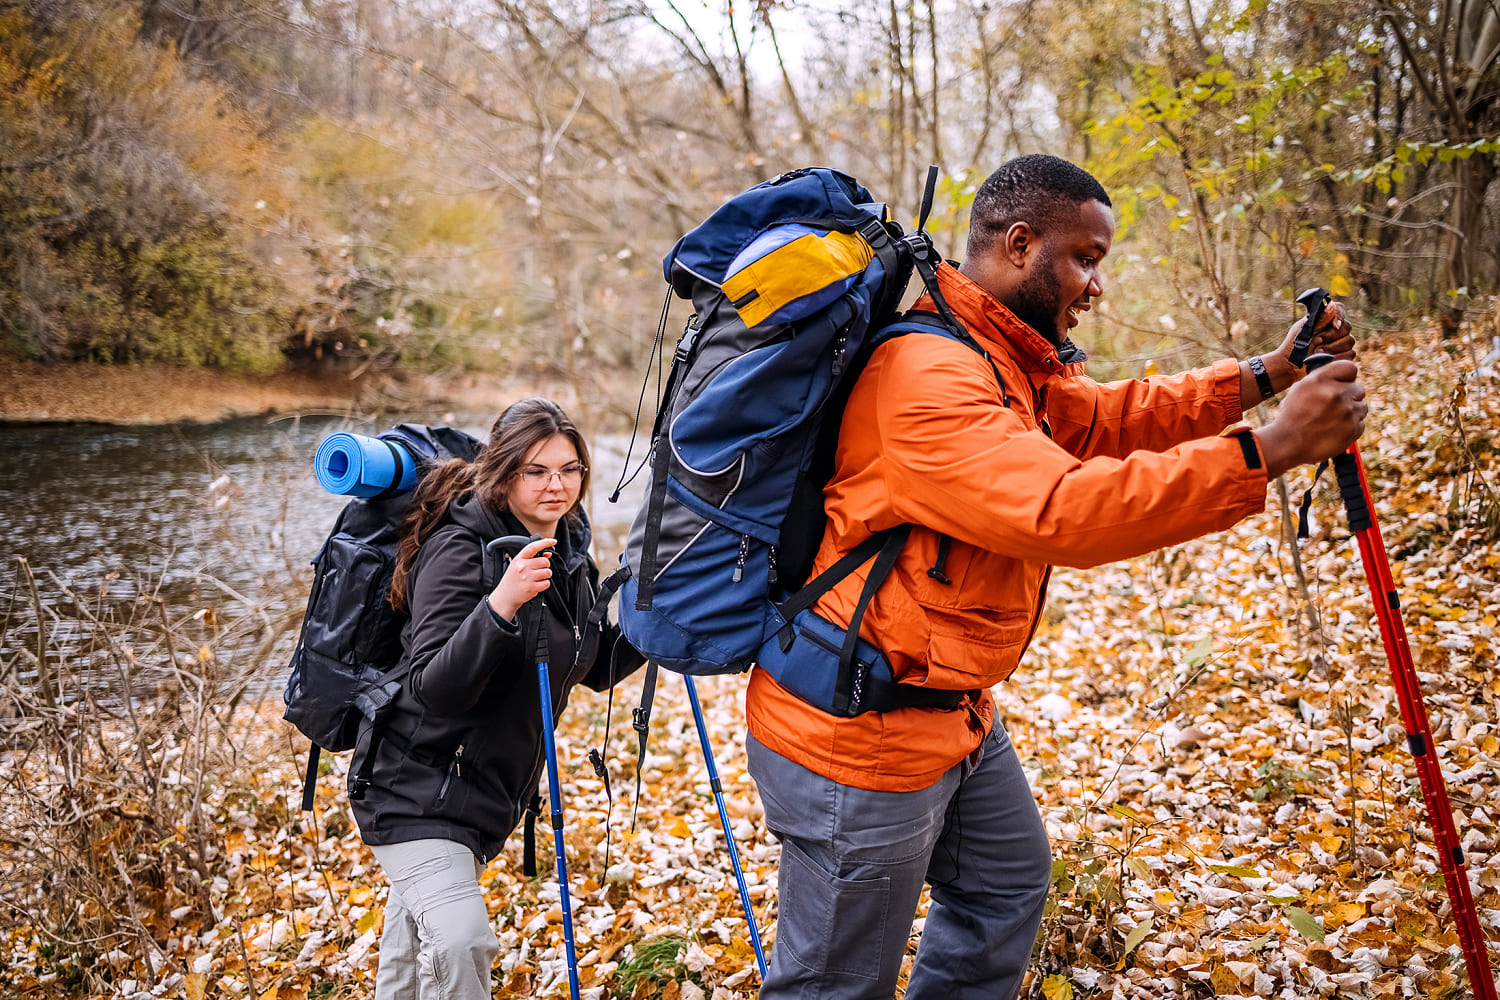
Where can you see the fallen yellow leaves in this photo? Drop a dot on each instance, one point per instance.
(1228, 789)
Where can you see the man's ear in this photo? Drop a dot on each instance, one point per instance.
(1019, 241)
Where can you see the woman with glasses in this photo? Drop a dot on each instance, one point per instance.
(458, 761)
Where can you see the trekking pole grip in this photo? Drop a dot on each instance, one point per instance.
(512, 545)
(1346, 467)
(1314, 300)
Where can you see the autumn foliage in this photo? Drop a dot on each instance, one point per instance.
(380, 186)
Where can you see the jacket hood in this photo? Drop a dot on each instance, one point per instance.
(574, 536)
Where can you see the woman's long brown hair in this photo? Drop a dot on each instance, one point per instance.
(520, 428)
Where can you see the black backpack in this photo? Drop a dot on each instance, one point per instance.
(350, 642)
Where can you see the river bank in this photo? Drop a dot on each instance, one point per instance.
(131, 396)
(127, 395)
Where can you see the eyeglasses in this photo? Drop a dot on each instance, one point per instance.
(538, 478)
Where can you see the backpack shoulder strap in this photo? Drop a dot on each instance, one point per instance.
(825, 581)
(927, 321)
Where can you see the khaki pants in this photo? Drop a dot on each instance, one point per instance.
(438, 942)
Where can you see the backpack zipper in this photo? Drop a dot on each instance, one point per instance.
(739, 563)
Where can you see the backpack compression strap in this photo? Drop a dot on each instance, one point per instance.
(528, 851)
(310, 779)
(640, 721)
(374, 703)
(397, 456)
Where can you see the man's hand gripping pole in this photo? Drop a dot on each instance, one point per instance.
(1314, 300)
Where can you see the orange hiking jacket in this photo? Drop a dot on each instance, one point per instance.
(1129, 467)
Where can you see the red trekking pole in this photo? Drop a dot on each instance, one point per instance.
(1355, 490)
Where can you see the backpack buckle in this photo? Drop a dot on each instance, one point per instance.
(874, 232)
(920, 244)
(375, 703)
(640, 720)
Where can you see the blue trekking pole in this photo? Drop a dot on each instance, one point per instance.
(544, 681)
(734, 853)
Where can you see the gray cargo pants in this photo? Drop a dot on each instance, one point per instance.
(852, 866)
(438, 942)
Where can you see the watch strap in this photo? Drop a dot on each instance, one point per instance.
(1263, 380)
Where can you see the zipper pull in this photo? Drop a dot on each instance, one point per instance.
(773, 577)
(577, 637)
(739, 564)
(838, 356)
(458, 761)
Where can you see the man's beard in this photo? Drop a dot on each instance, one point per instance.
(1036, 301)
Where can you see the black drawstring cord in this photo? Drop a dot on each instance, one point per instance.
(596, 758)
(640, 403)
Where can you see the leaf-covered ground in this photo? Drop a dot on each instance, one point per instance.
(1218, 754)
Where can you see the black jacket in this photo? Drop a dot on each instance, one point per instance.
(462, 750)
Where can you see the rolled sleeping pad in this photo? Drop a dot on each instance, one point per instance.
(359, 466)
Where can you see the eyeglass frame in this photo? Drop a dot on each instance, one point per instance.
(562, 475)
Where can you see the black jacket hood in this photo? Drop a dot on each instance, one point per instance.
(574, 534)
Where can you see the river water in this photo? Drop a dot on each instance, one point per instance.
(208, 527)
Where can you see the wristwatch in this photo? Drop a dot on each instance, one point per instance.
(1258, 369)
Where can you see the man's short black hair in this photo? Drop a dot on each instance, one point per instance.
(1038, 189)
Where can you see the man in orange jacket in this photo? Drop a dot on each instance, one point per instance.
(1000, 481)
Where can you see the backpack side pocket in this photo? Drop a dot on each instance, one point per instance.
(350, 636)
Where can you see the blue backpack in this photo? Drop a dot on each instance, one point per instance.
(791, 282)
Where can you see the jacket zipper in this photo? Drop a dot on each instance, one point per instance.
(1036, 615)
(454, 768)
(571, 618)
(1041, 601)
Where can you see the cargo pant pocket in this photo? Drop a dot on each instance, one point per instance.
(830, 924)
